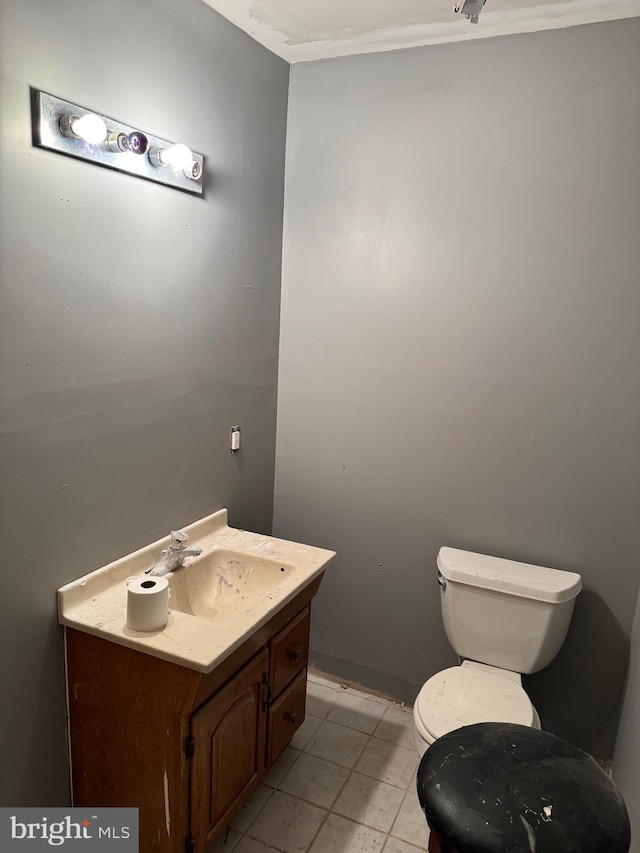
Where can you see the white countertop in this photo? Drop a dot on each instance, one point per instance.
(97, 602)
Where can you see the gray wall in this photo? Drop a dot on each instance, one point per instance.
(139, 323)
(459, 345)
(626, 759)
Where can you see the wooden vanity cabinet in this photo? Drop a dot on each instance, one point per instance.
(186, 748)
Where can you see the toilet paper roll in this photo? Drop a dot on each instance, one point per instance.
(147, 603)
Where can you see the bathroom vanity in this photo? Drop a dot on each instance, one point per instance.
(183, 723)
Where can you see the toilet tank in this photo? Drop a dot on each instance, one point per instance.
(506, 614)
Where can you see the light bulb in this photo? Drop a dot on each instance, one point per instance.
(135, 142)
(179, 156)
(90, 127)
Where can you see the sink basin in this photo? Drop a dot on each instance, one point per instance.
(224, 584)
(216, 601)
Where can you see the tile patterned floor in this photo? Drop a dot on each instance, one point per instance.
(346, 783)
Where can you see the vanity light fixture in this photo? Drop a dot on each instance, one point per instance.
(66, 128)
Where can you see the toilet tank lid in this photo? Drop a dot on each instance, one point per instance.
(508, 576)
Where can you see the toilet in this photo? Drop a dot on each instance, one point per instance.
(504, 619)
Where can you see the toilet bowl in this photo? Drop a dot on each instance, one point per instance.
(467, 694)
(504, 619)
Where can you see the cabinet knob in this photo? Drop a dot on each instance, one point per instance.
(296, 654)
(292, 717)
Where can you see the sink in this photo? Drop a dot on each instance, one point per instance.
(216, 600)
(224, 584)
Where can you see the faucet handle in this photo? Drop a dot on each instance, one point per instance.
(178, 538)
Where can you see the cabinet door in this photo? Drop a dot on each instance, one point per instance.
(229, 745)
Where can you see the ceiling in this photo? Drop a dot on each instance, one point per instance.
(303, 30)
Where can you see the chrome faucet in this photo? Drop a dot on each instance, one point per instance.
(174, 556)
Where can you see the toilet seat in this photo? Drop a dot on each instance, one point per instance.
(471, 693)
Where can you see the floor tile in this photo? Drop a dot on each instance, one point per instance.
(227, 842)
(388, 762)
(320, 699)
(288, 823)
(337, 743)
(411, 824)
(280, 767)
(250, 845)
(394, 845)
(339, 835)
(315, 780)
(369, 801)
(357, 712)
(245, 817)
(304, 734)
(397, 726)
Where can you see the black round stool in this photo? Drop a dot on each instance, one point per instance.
(504, 788)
